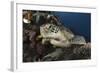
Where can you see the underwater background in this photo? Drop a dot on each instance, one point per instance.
(78, 23)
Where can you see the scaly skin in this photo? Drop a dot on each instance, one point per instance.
(55, 35)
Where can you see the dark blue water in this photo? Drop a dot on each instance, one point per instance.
(79, 23)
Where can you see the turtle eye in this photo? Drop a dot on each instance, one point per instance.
(50, 26)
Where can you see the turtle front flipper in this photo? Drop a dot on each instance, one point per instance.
(59, 43)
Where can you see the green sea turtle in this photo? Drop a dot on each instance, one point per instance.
(59, 36)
